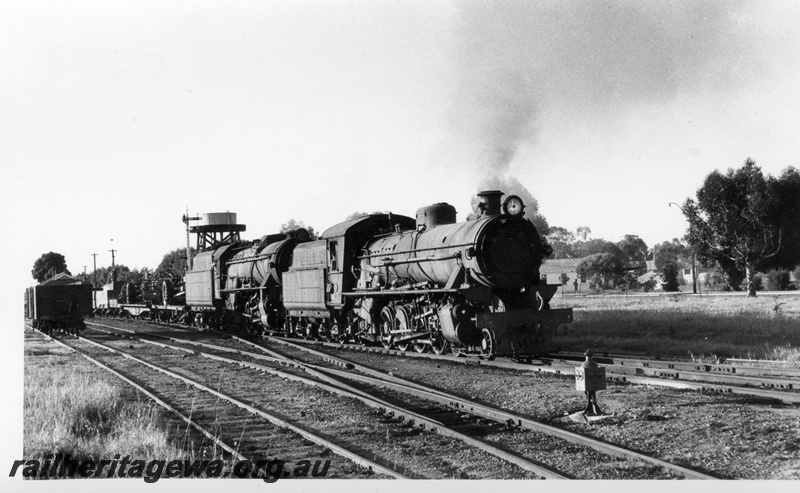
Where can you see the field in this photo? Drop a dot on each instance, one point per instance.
(702, 327)
(73, 408)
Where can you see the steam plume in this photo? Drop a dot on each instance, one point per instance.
(517, 60)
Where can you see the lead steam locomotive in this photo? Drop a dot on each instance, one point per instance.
(433, 283)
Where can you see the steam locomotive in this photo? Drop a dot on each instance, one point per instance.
(430, 283)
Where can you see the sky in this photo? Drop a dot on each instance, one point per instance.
(121, 116)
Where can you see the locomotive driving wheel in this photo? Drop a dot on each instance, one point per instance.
(420, 347)
(439, 345)
(387, 326)
(403, 323)
(488, 344)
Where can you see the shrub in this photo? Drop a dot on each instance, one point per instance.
(670, 272)
(603, 268)
(717, 281)
(629, 282)
(778, 280)
(758, 281)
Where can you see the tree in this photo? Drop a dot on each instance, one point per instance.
(561, 240)
(670, 272)
(357, 215)
(540, 223)
(292, 225)
(136, 276)
(601, 268)
(563, 279)
(598, 245)
(732, 274)
(173, 265)
(584, 232)
(745, 220)
(48, 261)
(124, 273)
(674, 251)
(788, 187)
(634, 248)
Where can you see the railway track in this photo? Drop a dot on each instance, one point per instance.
(691, 366)
(235, 418)
(395, 411)
(762, 382)
(745, 382)
(396, 428)
(451, 408)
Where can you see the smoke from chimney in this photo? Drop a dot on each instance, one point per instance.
(516, 61)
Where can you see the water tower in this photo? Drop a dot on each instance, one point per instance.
(214, 229)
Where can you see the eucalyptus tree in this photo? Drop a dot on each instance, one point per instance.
(746, 221)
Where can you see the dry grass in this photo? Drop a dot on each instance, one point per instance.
(701, 327)
(79, 412)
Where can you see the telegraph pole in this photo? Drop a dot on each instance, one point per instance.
(113, 269)
(94, 282)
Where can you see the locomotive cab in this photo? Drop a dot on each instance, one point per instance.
(323, 274)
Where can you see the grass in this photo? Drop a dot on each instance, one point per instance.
(73, 409)
(700, 327)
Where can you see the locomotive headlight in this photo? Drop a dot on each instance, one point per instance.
(513, 206)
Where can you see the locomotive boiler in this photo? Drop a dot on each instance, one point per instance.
(253, 281)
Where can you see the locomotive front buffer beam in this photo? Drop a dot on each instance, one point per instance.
(521, 333)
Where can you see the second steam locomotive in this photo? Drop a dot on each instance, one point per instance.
(430, 283)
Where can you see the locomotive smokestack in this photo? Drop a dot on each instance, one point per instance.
(489, 202)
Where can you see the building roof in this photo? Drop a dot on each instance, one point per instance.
(560, 265)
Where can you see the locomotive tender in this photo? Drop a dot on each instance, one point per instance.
(427, 283)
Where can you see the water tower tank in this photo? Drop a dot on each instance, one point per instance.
(217, 218)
